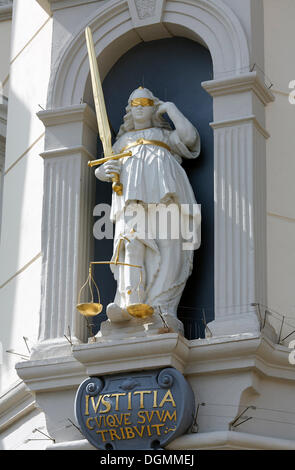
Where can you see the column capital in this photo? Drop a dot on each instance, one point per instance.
(242, 83)
(241, 120)
(70, 128)
(69, 114)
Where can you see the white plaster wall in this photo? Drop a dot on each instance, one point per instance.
(28, 18)
(5, 31)
(22, 212)
(273, 401)
(274, 414)
(21, 435)
(20, 304)
(28, 89)
(280, 118)
(20, 265)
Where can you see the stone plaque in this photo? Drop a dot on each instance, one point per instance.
(142, 410)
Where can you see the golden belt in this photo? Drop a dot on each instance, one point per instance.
(145, 142)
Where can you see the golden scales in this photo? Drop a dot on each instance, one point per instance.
(91, 309)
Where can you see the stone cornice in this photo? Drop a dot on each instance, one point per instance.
(65, 151)
(14, 404)
(70, 114)
(239, 121)
(51, 374)
(197, 357)
(219, 354)
(240, 84)
(6, 12)
(18, 392)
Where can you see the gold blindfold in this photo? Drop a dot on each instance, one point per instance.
(142, 102)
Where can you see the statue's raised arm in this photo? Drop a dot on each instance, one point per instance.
(185, 131)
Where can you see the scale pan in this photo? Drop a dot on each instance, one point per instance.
(90, 309)
(140, 310)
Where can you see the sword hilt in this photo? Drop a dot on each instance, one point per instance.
(117, 185)
(92, 163)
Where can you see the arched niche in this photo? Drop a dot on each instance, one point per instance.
(173, 68)
(211, 23)
(239, 97)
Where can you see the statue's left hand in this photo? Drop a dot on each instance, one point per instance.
(185, 130)
(168, 108)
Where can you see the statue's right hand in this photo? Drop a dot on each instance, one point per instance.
(106, 171)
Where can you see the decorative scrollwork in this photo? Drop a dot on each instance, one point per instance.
(165, 379)
(93, 388)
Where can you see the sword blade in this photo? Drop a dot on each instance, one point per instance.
(100, 107)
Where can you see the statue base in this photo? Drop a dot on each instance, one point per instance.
(137, 327)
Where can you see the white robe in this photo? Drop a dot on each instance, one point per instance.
(154, 175)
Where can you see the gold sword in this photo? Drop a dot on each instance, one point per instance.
(101, 115)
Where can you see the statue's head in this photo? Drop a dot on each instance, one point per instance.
(142, 103)
(142, 107)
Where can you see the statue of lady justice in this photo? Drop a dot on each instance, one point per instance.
(152, 178)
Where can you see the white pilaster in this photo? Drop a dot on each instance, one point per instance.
(67, 225)
(240, 202)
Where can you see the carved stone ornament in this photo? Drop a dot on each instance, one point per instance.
(142, 410)
(146, 12)
(145, 8)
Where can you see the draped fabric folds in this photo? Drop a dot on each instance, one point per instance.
(154, 176)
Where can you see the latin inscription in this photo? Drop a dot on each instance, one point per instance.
(109, 423)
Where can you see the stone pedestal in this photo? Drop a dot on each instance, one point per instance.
(133, 353)
(155, 325)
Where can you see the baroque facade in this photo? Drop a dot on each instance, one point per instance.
(48, 132)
